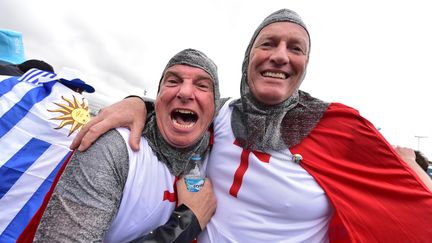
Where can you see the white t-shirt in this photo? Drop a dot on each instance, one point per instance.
(143, 207)
(264, 198)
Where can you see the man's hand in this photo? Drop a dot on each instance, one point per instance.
(130, 113)
(202, 203)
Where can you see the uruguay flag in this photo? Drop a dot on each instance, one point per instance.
(39, 118)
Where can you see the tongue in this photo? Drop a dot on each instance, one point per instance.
(184, 119)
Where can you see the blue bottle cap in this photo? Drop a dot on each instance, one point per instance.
(196, 157)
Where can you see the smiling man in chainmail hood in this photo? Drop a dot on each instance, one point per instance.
(287, 167)
(114, 194)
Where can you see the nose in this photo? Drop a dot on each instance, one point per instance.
(280, 55)
(186, 92)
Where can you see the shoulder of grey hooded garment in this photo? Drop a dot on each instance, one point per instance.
(88, 194)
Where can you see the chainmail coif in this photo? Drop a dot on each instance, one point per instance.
(177, 159)
(257, 126)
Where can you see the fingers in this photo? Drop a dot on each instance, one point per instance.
(99, 125)
(129, 113)
(93, 133)
(135, 134)
(202, 203)
(180, 184)
(207, 187)
(83, 131)
(182, 192)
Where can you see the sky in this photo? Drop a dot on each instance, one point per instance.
(371, 55)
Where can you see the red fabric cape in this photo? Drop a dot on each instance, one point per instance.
(376, 196)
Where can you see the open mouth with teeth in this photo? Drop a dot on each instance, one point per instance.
(184, 118)
(275, 75)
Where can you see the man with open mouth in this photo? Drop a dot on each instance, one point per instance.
(111, 193)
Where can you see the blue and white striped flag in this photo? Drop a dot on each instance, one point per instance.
(39, 118)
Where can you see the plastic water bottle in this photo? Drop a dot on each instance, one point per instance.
(194, 179)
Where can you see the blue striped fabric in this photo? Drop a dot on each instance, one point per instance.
(12, 170)
(7, 85)
(36, 76)
(20, 109)
(34, 143)
(18, 224)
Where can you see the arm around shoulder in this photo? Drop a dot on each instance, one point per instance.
(130, 113)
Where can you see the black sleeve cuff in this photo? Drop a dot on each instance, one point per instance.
(181, 227)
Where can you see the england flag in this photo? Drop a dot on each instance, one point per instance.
(39, 118)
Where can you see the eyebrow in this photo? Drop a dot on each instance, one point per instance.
(270, 36)
(200, 77)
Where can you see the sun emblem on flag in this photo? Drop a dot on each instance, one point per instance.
(75, 114)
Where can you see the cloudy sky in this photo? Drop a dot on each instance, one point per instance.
(371, 55)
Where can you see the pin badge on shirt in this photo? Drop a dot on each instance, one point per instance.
(297, 158)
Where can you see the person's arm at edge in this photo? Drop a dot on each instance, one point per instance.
(88, 194)
(408, 155)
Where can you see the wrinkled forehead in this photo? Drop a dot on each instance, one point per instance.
(182, 71)
(284, 30)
